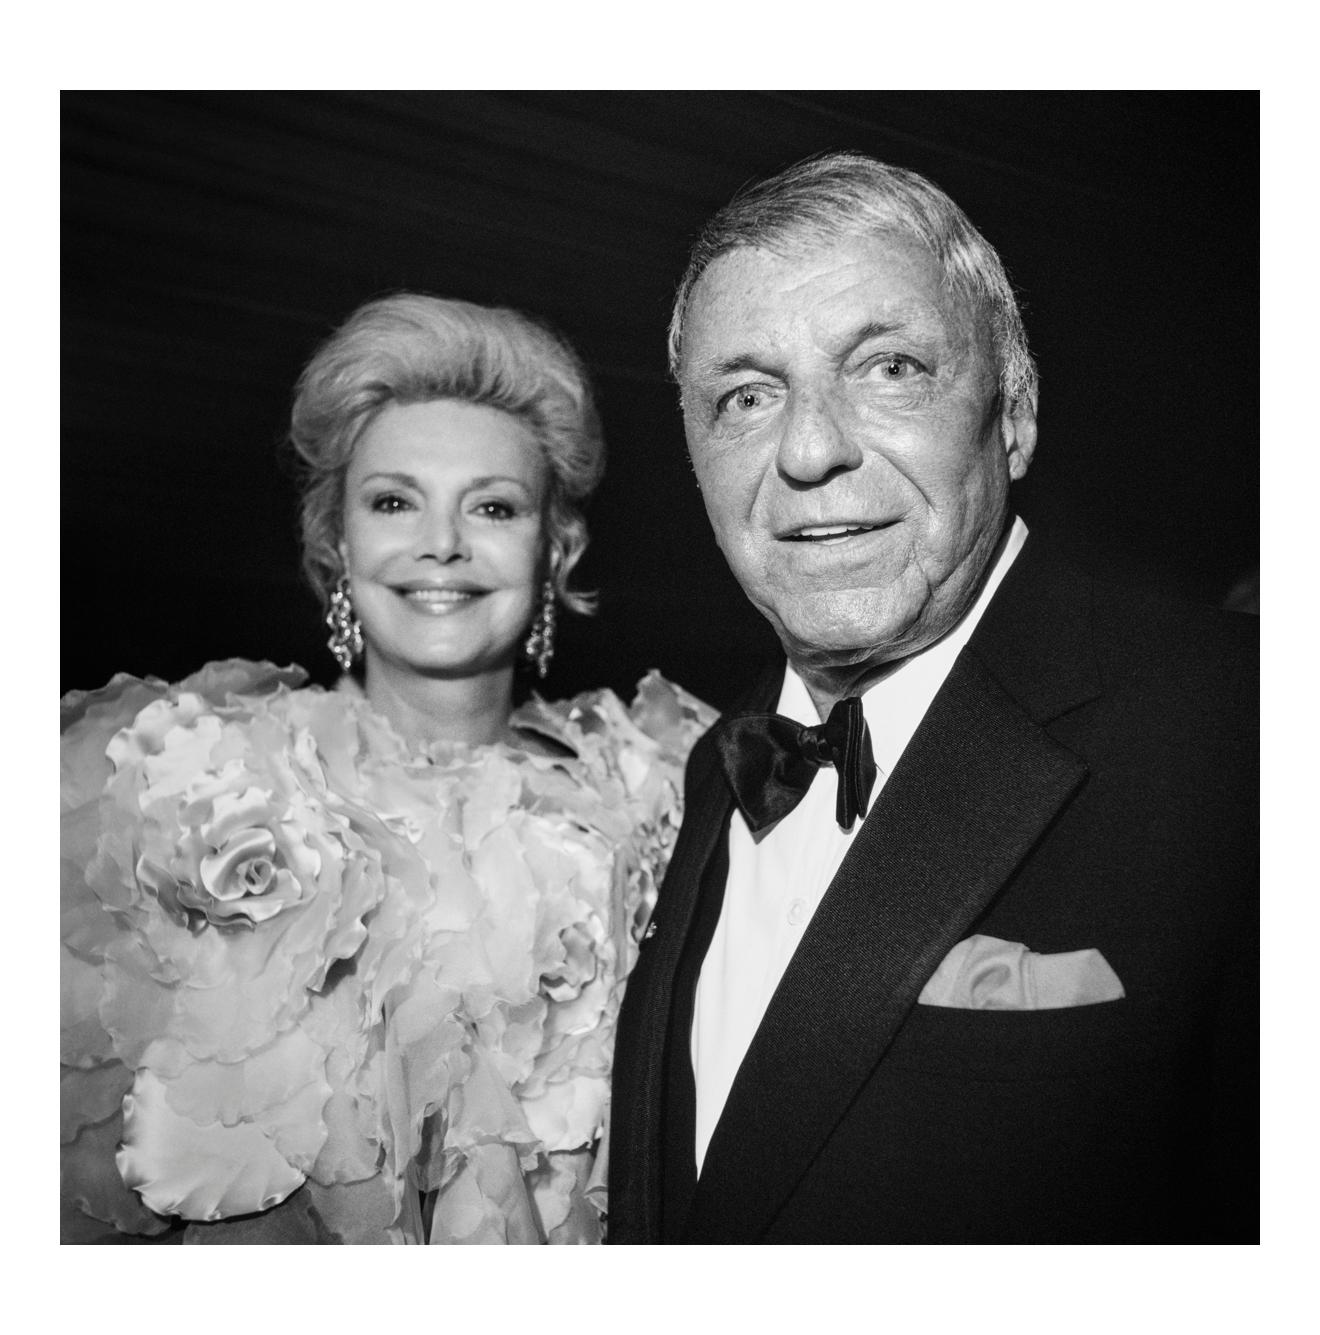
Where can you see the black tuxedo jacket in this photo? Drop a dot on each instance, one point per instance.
(1086, 777)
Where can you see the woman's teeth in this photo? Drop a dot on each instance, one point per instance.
(439, 600)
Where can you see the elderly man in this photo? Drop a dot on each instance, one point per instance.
(958, 940)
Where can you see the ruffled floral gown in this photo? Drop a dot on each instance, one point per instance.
(322, 985)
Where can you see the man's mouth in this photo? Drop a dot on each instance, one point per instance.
(830, 533)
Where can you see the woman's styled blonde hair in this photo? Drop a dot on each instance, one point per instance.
(412, 348)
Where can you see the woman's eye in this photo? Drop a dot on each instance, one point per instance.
(389, 503)
(496, 509)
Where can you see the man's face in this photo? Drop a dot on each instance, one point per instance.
(842, 413)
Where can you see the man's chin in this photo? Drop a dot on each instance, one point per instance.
(837, 643)
(867, 628)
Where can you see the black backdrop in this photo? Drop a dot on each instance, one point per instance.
(210, 240)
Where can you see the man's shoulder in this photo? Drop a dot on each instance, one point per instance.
(1056, 634)
(1172, 637)
(1050, 589)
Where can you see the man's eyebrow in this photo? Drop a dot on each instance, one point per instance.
(877, 329)
(716, 368)
(872, 329)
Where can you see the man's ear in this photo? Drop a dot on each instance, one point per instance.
(1017, 428)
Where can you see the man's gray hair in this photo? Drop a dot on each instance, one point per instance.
(837, 195)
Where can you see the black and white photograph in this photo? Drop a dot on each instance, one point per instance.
(660, 667)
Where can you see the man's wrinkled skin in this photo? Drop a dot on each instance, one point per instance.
(846, 426)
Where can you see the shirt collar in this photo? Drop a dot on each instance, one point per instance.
(895, 705)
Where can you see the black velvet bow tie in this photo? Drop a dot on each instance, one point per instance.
(770, 761)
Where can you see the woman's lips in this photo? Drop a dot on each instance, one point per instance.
(439, 602)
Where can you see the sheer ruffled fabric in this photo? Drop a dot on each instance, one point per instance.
(319, 985)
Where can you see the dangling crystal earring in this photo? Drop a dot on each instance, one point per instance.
(539, 647)
(345, 641)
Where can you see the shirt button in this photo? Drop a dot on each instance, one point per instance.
(797, 912)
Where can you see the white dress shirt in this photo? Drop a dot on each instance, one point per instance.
(777, 879)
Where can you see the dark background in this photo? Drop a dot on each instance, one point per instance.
(211, 240)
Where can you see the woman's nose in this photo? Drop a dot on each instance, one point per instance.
(443, 538)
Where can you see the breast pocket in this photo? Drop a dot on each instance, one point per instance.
(1015, 1045)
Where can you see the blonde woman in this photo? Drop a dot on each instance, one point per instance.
(344, 966)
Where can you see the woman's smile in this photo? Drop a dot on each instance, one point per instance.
(444, 538)
(440, 601)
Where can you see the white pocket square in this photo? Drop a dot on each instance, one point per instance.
(985, 973)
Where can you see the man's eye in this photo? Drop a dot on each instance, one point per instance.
(744, 399)
(897, 366)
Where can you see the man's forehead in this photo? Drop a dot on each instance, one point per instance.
(829, 286)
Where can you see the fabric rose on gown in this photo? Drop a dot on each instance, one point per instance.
(225, 885)
(323, 985)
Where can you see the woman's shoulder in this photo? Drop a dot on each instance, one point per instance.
(90, 720)
(215, 683)
(662, 719)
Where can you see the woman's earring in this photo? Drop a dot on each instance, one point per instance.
(539, 647)
(345, 641)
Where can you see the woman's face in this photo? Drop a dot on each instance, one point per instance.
(444, 537)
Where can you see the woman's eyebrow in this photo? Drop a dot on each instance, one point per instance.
(399, 479)
(491, 478)
(408, 480)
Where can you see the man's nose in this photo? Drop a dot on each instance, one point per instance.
(442, 537)
(814, 443)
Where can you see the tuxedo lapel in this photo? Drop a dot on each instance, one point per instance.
(648, 1039)
(973, 791)
(975, 788)
(637, 1159)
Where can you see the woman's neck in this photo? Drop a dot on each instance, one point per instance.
(474, 710)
